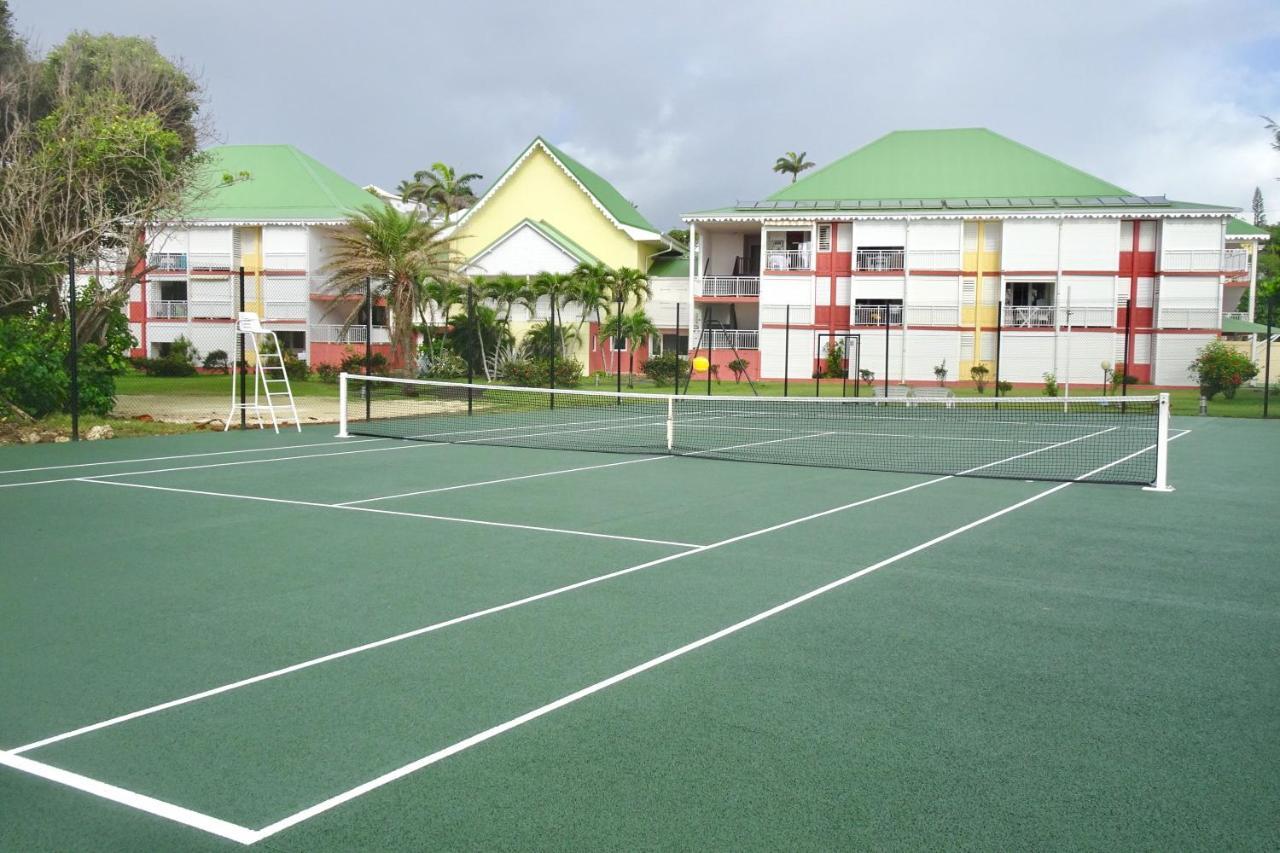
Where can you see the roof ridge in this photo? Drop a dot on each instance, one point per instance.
(307, 164)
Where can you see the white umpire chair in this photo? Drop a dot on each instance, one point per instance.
(270, 379)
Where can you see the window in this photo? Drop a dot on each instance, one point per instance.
(173, 291)
(1024, 293)
(618, 344)
(295, 341)
(675, 343)
(379, 315)
(824, 238)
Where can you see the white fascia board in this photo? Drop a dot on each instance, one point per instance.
(813, 216)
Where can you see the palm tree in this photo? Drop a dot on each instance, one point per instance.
(637, 328)
(441, 188)
(399, 251)
(632, 284)
(436, 300)
(792, 164)
(592, 287)
(559, 290)
(506, 291)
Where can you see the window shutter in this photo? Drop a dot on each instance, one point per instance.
(824, 238)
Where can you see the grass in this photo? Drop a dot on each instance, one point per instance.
(208, 384)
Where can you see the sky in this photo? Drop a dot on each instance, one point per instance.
(686, 106)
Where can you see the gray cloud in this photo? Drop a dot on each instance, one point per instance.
(686, 106)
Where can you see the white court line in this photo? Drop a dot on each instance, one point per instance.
(428, 516)
(529, 716)
(190, 455)
(142, 802)
(245, 836)
(99, 477)
(458, 620)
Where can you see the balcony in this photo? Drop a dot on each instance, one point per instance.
(788, 260)
(168, 262)
(1235, 262)
(933, 315)
(728, 285)
(1192, 260)
(880, 260)
(1188, 318)
(212, 262)
(167, 309)
(875, 315)
(1049, 316)
(353, 334)
(291, 261)
(726, 338)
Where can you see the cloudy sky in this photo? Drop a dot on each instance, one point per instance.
(686, 106)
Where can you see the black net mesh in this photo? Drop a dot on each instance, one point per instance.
(1028, 438)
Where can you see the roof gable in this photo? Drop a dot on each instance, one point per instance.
(529, 248)
(939, 164)
(284, 185)
(602, 194)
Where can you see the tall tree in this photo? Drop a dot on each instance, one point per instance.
(1275, 132)
(638, 329)
(1259, 208)
(399, 251)
(792, 164)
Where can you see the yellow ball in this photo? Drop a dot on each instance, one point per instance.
(700, 364)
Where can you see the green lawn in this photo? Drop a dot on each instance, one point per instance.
(209, 384)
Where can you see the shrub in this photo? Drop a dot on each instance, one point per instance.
(664, 369)
(327, 373)
(1004, 387)
(168, 366)
(353, 362)
(532, 373)
(1219, 368)
(739, 366)
(940, 372)
(834, 368)
(297, 369)
(216, 361)
(1050, 385)
(978, 373)
(867, 375)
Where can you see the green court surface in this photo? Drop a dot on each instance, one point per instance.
(304, 643)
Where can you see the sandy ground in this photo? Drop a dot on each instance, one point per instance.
(182, 409)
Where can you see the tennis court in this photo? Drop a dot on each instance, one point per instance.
(498, 637)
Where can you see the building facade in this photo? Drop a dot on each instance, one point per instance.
(276, 223)
(963, 248)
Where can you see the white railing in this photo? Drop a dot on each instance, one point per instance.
(802, 314)
(1236, 315)
(933, 315)
(353, 334)
(168, 262)
(208, 261)
(1235, 260)
(729, 285)
(218, 309)
(1048, 316)
(935, 259)
(1191, 260)
(1029, 316)
(727, 338)
(167, 309)
(874, 315)
(1087, 315)
(879, 260)
(284, 261)
(274, 309)
(782, 260)
(1188, 318)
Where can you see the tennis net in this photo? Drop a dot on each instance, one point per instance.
(1107, 439)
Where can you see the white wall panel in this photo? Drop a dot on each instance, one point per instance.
(932, 290)
(844, 237)
(169, 242)
(928, 235)
(877, 288)
(1172, 355)
(774, 347)
(1087, 291)
(1188, 292)
(786, 290)
(842, 290)
(1192, 234)
(1080, 356)
(925, 350)
(1090, 244)
(210, 240)
(1030, 245)
(1025, 357)
(284, 239)
(892, 232)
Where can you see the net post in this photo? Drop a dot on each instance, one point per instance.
(342, 406)
(1161, 482)
(671, 423)
(73, 344)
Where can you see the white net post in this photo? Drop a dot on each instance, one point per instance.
(1161, 482)
(671, 423)
(342, 406)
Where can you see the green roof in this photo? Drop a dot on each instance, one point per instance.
(612, 200)
(1239, 228)
(671, 266)
(1243, 327)
(284, 185)
(945, 164)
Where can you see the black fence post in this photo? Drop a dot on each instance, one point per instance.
(677, 348)
(555, 344)
(999, 335)
(786, 352)
(1266, 375)
(886, 350)
(240, 356)
(73, 348)
(368, 346)
(614, 345)
(471, 370)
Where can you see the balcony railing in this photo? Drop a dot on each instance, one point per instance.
(1188, 318)
(1235, 261)
(1048, 316)
(875, 315)
(168, 309)
(784, 260)
(729, 285)
(354, 334)
(934, 259)
(168, 262)
(1029, 316)
(284, 261)
(1237, 315)
(1191, 260)
(933, 315)
(880, 260)
(727, 338)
